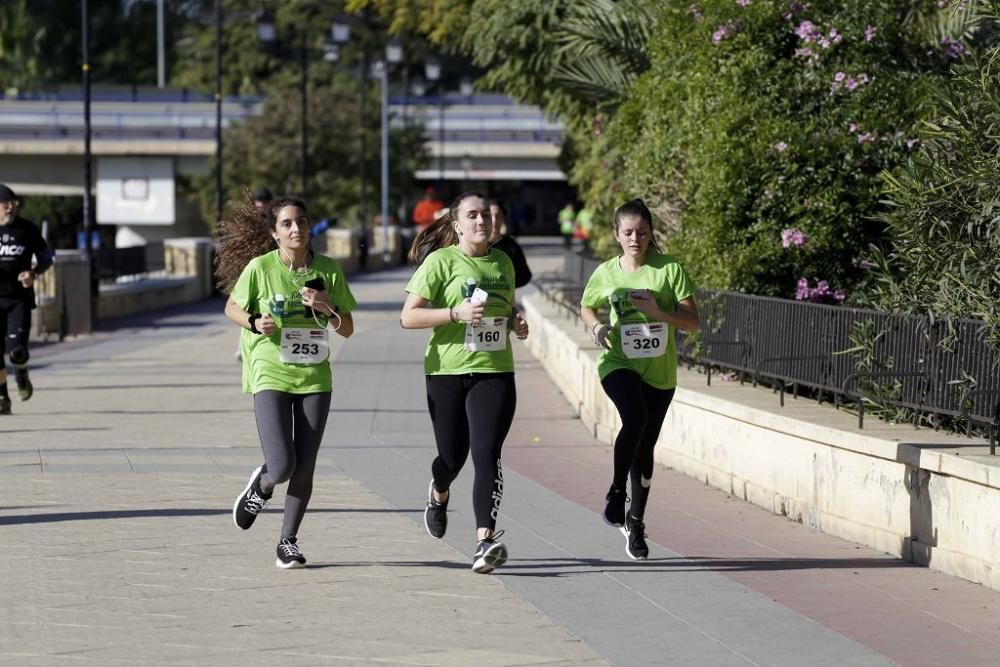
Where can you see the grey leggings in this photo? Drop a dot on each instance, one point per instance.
(291, 430)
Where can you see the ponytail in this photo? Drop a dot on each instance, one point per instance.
(441, 232)
(438, 234)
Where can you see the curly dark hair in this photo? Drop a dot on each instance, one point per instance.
(244, 233)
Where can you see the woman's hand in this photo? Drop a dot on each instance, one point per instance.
(317, 300)
(600, 332)
(643, 301)
(265, 324)
(26, 278)
(469, 312)
(520, 326)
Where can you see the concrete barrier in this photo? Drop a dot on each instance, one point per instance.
(923, 496)
(63, 293)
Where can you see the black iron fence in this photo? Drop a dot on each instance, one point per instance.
(930, 367)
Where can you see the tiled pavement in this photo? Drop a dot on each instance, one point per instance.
(119, 548)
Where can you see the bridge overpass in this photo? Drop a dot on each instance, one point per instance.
(478, 138)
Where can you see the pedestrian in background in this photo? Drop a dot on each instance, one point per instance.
(567, 216)
(500, 240)
(24, 255)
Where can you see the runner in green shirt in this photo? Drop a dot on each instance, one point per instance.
(465, 292)
(650, 296)
(288, 300)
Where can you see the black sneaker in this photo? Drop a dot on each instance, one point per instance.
(436, 514)
(24, 388)
(490, 554)
(634, 531)
(4, 406)
(289, 554)
(614, 510)
(250, 502)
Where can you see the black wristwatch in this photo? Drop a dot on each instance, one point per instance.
(252, 321)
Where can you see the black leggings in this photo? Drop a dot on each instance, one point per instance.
(472, 412)
(642, 409)
(15, 326)
(291, 430)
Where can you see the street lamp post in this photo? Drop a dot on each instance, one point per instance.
(218, 110)
(88, 199)
(304, 99)
(267, 34)
(393, 55)
(432, 70)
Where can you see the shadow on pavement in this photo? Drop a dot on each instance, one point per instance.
(166, 513)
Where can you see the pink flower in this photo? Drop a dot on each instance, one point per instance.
(781, 147)
(793, 238)
(819, 294)
(870, 33)
(720, 34)
(743, 3)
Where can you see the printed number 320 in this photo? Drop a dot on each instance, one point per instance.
(646, 343)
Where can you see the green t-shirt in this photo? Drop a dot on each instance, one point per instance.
(445, 278)
(268, 286)
(670, 284)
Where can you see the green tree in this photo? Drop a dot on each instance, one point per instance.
(21, 40)
(943, 221)
(266, 149)
(765, 117)
(40, 41)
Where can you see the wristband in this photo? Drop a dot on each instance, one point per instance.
(452, 315)
(593, 329)
(252, 322)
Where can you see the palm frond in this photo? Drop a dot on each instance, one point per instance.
(601, 47)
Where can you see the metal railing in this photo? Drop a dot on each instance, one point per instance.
(930, 367)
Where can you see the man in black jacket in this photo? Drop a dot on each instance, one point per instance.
(20, 241)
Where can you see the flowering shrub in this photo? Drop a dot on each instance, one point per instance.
(767, 120)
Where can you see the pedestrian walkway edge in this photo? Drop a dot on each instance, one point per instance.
(920, 495)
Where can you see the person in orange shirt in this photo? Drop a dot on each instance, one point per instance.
(426, 209)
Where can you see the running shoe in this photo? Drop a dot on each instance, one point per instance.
(4, 406)
(250, 502)
(435, 514)
(490, 554)
(634, 531)
(614, 509)
(24, 388)
(289, 554)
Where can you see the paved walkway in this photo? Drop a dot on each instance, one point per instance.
(119, 478)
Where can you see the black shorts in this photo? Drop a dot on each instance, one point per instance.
(15, 325)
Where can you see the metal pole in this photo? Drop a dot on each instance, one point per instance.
(161, 55)
(441, 138)
(404, 186)
(304, 99)
(88, 201)
(363, 169)
(384, 80)
(218, 110)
